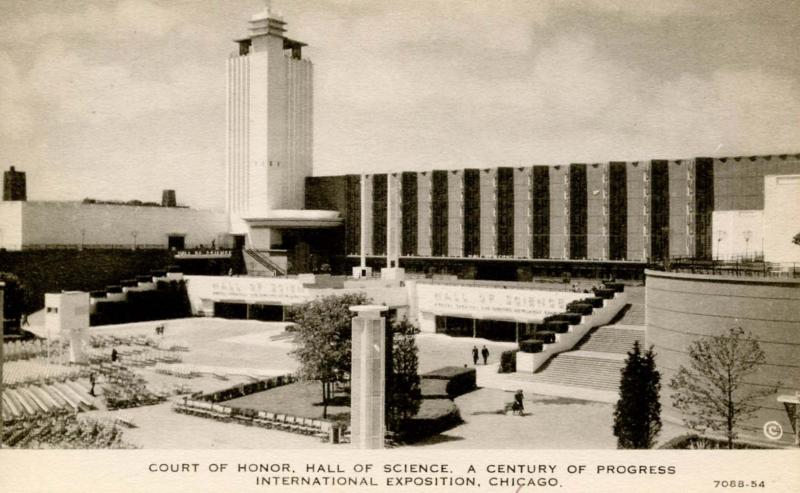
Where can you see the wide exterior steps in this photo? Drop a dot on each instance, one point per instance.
(576, 370)
(596, 362)
(613, 339)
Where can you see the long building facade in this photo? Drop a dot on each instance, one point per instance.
(641, 212)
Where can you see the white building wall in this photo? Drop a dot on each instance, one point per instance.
(66, 312)
(781, 218)
(731, 232)
(96, 225)
(11, 225)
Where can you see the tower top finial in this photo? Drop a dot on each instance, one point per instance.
(267, 13)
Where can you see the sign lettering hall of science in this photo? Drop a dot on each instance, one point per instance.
(479, 302)
(255, 290)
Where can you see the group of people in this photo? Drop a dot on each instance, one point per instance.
(483, 352)
(160, 330)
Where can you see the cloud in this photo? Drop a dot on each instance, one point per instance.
(16, 121)
(120, 20)
(80, 90)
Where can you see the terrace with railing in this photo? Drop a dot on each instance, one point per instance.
(744, 267)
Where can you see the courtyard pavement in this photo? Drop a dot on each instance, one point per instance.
(551, 422)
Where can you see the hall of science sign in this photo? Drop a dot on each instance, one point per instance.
(267, 290)
(522, 305)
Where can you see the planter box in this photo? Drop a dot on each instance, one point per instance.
(570, 318)
(531, 346)
(557, 326)
(459, 380)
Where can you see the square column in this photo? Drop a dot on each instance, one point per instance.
(362, 271)
(393, 271)
(368, 378)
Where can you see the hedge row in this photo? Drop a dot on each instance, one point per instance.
(508, 361)
(531, 346)
(459, 380)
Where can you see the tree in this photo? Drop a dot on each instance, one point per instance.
(637, 415)
(712, 393)
(796, 239)
(16, 300)
(403, 394)
(323, 337)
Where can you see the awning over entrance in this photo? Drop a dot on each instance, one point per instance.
(295, 218)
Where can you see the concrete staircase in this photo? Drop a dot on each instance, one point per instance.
(613, 339)
(598, 371)
(591, 371)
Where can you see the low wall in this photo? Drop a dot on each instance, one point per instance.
(487, 303)
(682, 308)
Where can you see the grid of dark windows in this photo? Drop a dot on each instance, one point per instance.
(472, 212)
(439, 214)
(505, 211)
(379, 214)
(409, 212)
(659, 211)
(578, 214)
(541, 212)
(352, 217)
(704, 195)
(617, 211)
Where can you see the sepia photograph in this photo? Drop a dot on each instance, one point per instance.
(429, 230)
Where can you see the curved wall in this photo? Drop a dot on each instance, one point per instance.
(681, 308)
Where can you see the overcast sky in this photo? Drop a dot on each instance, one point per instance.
(121, 99)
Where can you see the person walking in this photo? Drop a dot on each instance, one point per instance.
(485, 354)
(92, 380)
(474, 355)
(114, 355)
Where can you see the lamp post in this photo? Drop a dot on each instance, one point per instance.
(747, 235)
(83, 238)
(720, 237)
(134, 234)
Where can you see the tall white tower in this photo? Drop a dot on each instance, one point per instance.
(269, 127)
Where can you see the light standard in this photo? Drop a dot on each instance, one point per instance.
(720, 237)
(747, 235)
(134, 234)
(83, 238)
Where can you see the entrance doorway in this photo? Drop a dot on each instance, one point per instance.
(176, 242)
(265, 313)
(238, 242)
(230, 310)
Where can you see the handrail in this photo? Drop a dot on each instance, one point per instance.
(266, 262)
(747, 268)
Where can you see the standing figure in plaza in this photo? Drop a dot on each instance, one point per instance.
(114, 355)
(92, 381)
(485, 354)
(474, 355)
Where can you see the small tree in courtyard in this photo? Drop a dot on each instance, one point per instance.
(403, 392)
(323, 339)
(637, 415)
(796, 239)
(712, 393)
